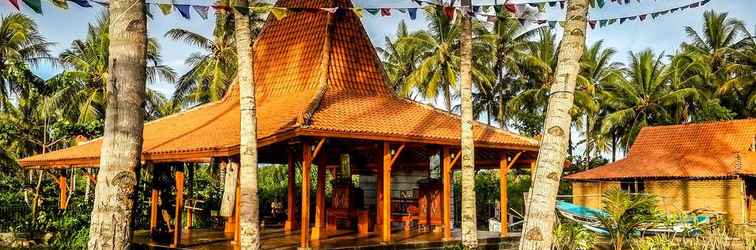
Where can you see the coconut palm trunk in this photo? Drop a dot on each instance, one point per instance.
(111, 219)
(539, 220)
(250, 225)
(469, 224)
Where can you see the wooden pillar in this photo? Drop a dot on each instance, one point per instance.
(190, 191)
(386, 208)
(237, 209)
(304, 239)
(532, 171)
(154, 197)
(379, 197)
(179, 206)
(446, 168)
(503, 199)
(63, 186)
(291, 202)
(319, 227)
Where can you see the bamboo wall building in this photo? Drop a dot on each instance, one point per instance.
(321, 97)
(693, 166)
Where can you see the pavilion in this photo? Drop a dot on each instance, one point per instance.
(321, 97)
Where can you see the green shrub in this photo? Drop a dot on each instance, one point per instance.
(573, 236)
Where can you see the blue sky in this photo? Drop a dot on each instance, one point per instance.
(663, 34)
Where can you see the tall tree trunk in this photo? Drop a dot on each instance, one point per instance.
(124, 121)
(539, 220)
(469, 220)
(250, 226)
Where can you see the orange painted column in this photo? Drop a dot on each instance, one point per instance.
(319, 228)
(386, 208)
(63, 201)
(379, 198)
(446, 193)
(291, 201)
(153, 208)
(179, 208)
(304, 239)
(503, 199)
(237, 213)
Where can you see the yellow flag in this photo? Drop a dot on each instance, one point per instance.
(279, 12)
(358, 11)
(166, 8)
(60, 3)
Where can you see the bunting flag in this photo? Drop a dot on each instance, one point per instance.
(385, 12)
(82, 3)
(167, 9)
(35, 5)
(106, 4)
(592, 23)
(60, 4)
(279, 12)
(412, 13)
(331, 10)
(201, 11)
(372, 11)
(358, 12)
(449, 11)
(15, 4)
(184, 10)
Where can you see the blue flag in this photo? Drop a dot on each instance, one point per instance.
(82, 3)
(184, 10)
(412, 13)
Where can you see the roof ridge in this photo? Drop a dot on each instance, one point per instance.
(305, 118)
(701, 123)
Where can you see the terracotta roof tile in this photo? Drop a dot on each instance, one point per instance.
(289, 60)
(701, 150)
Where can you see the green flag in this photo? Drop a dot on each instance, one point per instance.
(35, 5)
(166, 8)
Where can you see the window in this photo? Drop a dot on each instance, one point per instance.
(633, 186)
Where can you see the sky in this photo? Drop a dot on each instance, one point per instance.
(663, 34)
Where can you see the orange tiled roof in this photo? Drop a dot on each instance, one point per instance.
(315, 75)
(700, 150)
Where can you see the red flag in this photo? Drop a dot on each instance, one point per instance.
(385, 12)
(449, 11)
(15, 4)
(511, 8)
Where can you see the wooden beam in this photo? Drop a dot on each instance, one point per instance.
(317, 148)
(446, 191)
(63, 186)
(396, 154)
(503, 191)
(291, 202)
(304, 239)
(319, 228)
(179, 207)
(455, 160)
(514, 159)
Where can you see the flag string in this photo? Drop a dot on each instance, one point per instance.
(524, 12)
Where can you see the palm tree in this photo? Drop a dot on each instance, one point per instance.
(437, 72)
(712, 50)
(509, 41)
(249, 210)
(81, 86)
(213, 70)
(469, 218)
(742, 72)
(539, 218)
(400, 59)
(625, 215)
(127, 57)
(596, 69)
(643, 97)
(21, 46)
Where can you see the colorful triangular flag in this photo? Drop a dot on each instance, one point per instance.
(611, 21)
(402, 10)
(372, 11)
(552, 24)
(600, 3)
(622, 20)
(449, 11)
(385, 12)
(602, 23)
(673, 10)
(165, 8)
(704, 2)
(201, 10)
(654, 15)
(412, 13)
(642, 17)
(552, 4)
(694, 5)
(331, 10)
(511, 8)
(82, 3)
(279, 12)
(60, 4)
(184, 10)
(35, 5)
(592, 23)
(358, 11)
(15, 4)
(497, 9)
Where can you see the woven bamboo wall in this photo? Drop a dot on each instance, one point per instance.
(677, 195)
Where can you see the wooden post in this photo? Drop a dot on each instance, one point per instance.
(190, 190)
(378, 227)
(237, 210)
(63, 185)
(503, 199)
(304, 239)
(319, 226)
(386, 208)
(291, 202)
(446, 192)
(532, 171)
(179, 207)
(154, 198)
